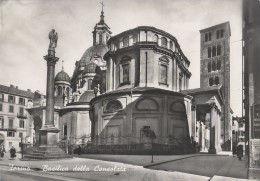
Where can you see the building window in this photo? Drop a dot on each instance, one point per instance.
(207, 36)
(163, 70)
(134, 38)
(59, 90)
(213, 51)
(125, 68)
(217, 34)
(11, 99)
(21, 101)
(219, 65)
(89, 84)
(11, 123)
(222, 33)
(164, 42)
(171, 45)
(100, 38)
(113, 106)
(21, 111)
(209, 52)
(163, 74)
(209, 67)
(211, 81)
(126, 42)
(218, 50)
(68, 93)
(64, 130)
(155, 38)
(10, 134)
(123, 71)
(21, 123)
(11, 109)
(1, 122)
(1, 107)
(213, 66)
(20, 135)
(217, 80)
(1, 97)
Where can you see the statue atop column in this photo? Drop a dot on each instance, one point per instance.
(53, 36)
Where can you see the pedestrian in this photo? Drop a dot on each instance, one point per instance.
(2, 151)
(240, 151)
(13, 152)
(79, 150)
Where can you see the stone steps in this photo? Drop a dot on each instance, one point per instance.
(43, 153)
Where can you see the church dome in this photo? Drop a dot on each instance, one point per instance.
(98, 50)
(87, 96)
(62, 76)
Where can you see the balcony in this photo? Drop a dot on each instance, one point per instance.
(10, 128)
(22, 116)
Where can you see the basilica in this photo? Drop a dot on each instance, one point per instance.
(130, 93)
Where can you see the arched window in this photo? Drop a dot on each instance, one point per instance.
(68, 93)
(211, 81)
(213, 51)
(209, 52)
(155, 38)
(89, 84)
(125, 42)
(164, 42)
(134, 38)
(209, 67)
(213, 66)
(125, 68)
(206, 37)
(171, 45)
(123, 71)
(216, 80)
(219, 65)
(222, 33)
(59, 90)
(217, 34)
(100, 38)
(113, 106)
(218, 50)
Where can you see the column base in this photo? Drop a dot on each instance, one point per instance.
(212, 151)
(49, 135)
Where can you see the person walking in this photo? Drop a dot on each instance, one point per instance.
(240, 151)
(79, 150)
(2, 151)
(13, 152)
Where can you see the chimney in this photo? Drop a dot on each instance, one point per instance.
(12, 86)
(29, 90)
(16, 87)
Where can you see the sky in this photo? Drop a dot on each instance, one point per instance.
(25, 24)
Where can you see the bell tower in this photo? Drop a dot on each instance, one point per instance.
(101, 33)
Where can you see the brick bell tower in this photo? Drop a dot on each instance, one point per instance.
(215, 70)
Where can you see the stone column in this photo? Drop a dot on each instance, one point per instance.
(212, 148)
(48, 133)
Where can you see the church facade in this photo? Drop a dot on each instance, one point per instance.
(131, 92)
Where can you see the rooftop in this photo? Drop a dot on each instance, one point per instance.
(15, 91)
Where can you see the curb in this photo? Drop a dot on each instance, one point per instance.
(154, 164)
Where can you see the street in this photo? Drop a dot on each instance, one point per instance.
(128, 167)
(207, 166)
